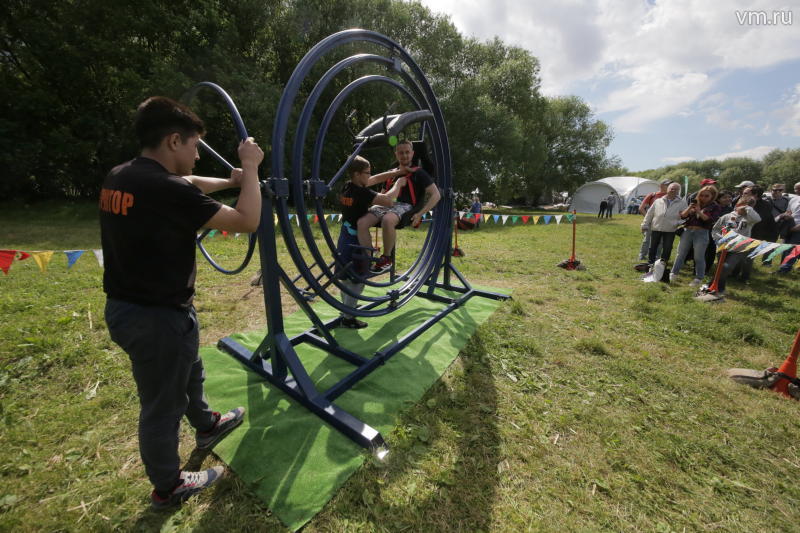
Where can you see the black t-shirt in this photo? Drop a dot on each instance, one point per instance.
(420, 180)
(148, 221)
(355, 202)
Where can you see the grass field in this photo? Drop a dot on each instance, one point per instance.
(591, 401)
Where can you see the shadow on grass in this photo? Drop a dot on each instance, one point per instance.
(465, 487)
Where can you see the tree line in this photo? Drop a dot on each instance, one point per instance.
(72, 73)
(778, 166)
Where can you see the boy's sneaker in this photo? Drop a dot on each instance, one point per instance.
(225, 424)
(382, 264)
(695, 282)
(352, 322)
(190, 484)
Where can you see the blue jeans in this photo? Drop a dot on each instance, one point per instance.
(162, 344)
(692, 241)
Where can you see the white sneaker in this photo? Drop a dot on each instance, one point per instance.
(695, 282)
(672, 277)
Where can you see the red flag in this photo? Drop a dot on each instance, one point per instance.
(7, 257)
(316, 219)
(224, 233)
(525, 219)
(794, 253)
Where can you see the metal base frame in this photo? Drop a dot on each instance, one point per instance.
(277, 361)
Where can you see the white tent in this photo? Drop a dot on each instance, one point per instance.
(631, 186)
(588, 197)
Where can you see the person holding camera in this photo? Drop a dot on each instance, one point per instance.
(700, 217)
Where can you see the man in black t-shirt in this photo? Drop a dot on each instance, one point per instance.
(150, 211)
(354, 201)
(419, 196)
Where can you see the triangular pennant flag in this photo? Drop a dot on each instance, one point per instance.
(547, 219)
(505, 218)
(461, 214)
(486, 217)
(224, 233)
(779, 250)
(6, 258)
(236, 235)
(73, 256)
(763, 248)
(558, 219)
(98, 254)
(291, 216)
(728, 236)
(526, 218)
(316, 219)
(309, 217)
(42, 259)
(756, 243)
(514, 219)
(570, 217)
(495, 218)
(536, 219)
(726, 245)
(794, 253)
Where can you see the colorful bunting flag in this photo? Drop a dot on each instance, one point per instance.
(558, 219)
(98, 254)
(547, 219)
(505, 218)
(42, 259)
(73, 256)
(779, 250)
(526, 218)
(8, 256)
(486, 217)
(791, 255)
(496, 218)
(763, 248)
(536, 219)
(514, 219)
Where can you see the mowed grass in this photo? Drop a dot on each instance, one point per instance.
(591, 401)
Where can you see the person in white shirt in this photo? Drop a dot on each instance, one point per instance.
(662, 220)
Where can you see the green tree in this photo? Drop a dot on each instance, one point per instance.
(576, 143)
(782, 166)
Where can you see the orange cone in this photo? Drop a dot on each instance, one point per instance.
(789, 367)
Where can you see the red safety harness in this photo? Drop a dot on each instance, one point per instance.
(409, 184)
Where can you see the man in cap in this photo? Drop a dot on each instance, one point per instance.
(740, 189)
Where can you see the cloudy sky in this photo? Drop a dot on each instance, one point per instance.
(677, 79)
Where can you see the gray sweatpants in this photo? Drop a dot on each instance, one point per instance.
(162, 344)
(351, 301)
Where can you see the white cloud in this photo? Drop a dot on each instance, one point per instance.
(755, 153)
(662, 56)
(791, 125)
(677, 159)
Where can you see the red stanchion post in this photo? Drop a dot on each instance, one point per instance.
(789, 367)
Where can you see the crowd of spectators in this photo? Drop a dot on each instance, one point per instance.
(702, 218)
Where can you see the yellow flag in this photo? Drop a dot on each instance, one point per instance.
(535, 220)
(42, 259)
(751, 246)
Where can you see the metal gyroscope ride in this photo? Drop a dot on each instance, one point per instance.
(297, 180)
